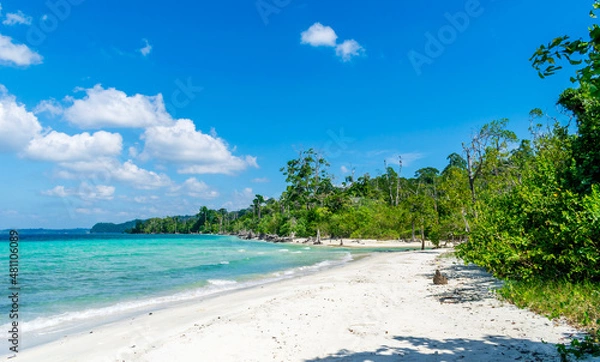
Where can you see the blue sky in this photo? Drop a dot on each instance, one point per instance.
(114, 110)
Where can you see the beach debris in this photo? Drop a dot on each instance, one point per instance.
(439, 279)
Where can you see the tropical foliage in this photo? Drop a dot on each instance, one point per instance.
(431, 205)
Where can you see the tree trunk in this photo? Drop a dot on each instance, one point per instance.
(397, 191)
(318, 241)
(435, 204)
(398, 180)
(471, 175)
(422, 237)
(463, 213)
(472, 188)
(389, 180)
(473, 197)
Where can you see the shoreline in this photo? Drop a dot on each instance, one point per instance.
(49, 328)
(381, 305)
(339, 242)
(342, 242)
(76, 321)
(365, 243)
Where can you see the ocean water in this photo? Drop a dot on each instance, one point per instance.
(73, 282)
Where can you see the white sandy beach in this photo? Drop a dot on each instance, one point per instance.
(381, 308)
(367, 243)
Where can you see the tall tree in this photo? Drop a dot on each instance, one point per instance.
(258, 201)
(308, 179)
(486, 151)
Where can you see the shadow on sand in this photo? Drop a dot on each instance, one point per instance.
(468, 283)
(480, 285)
(491, 348)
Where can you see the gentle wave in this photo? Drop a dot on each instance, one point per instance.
(220, 282)
(42, 323)
(315, 267)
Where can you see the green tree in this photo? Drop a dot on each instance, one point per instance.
(455, 200)
(586, 151)
(257, 203)
(578, 52)
(486, 153)
(308, 179)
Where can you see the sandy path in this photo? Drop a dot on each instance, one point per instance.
(382, 308)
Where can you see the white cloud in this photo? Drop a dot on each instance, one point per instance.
(0, 9)
(146, 49)
(145, 199)
(408, 159)
(17, 125)
(85, 192)
(17, 54)
(87, 211)
(194, 151)
(344, 169)
(17, 18)
(64, 174)
(108, 169)
(98, 192)
(230, 166)
(100, 167)
(60, 147)
(51, 107)
(58, 191)
(113, 108)
(240, 200)
(261, 180)
(133, 152)
(319, 35)
(139, 177)
(194, 188)
(349, 49)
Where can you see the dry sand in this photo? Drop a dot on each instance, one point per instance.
(381, 308)
(367, 243)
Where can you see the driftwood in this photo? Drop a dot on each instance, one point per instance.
(439, 279)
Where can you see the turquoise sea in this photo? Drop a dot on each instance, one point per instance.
(70, 283)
